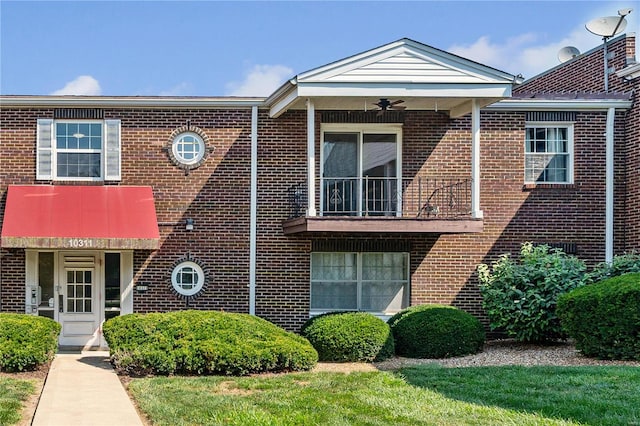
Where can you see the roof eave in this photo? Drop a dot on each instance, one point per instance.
(130, 101)
(559, 104)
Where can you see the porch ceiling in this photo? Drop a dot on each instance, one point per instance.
(454, 106)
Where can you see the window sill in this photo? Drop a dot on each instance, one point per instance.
(532, 186)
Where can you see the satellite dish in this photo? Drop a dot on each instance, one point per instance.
(567, 53)
(607, 26)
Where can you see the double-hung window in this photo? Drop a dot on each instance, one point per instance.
(361, 170)
(549, 153)
(78, 150)
(371, 281)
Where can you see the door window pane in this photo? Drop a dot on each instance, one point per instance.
(112, 284)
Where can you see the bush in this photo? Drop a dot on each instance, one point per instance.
(436, 331)
(26, 341)
(621, 264)
(520, 296)
(349, 337)
(204, 342)
(604, 318)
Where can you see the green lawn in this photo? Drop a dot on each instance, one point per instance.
(12, 394)
(414, 396)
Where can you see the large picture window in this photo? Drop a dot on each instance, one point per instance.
(361, 173)
(373, 282)
(548, 153)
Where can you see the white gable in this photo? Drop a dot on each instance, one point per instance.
(423, 76)
(405, 61)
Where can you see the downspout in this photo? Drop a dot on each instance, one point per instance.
(608, 231)
(253, 221)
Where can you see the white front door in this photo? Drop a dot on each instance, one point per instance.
(79, 299)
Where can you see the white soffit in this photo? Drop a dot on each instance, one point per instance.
(404, 68)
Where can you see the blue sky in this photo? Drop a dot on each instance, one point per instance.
(215, 48)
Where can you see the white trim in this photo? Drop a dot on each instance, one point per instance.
(126, 282)
(609, 201)
(476, 213)
(311, 159)
(560, 105)
(253, 221)
(179, 155)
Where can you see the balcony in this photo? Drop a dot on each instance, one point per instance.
(385, 205)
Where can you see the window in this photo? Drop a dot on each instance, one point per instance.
(361, 170)
(187, 278)
(188, 148)
(78, 150)
(548, 153)
(372, 282)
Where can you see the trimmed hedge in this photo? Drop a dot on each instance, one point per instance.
(604, 318)
(436, 331)
(26, 341)
(204, 342)
(349, 337)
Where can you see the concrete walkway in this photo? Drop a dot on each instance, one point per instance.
(82, 389)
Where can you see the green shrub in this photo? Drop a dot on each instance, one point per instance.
(621, 264)
(604, 318)
(520, 296)
(349, 337)
(436, 331)
(26, 341)
(204, 342)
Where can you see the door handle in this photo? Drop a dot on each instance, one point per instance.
(60, 303)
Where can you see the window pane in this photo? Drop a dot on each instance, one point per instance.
(79, 306)
(71, 291)
(112, 280)
(71, 307)
(87, 291)
(334, 296)
(80, 291)
(382, 296)
(70, 276)
(45, 277)
(87, 305)
(333, 266)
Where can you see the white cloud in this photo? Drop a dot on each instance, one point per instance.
(521, 54)
(180, 89)
(82, 85)
(261, 80)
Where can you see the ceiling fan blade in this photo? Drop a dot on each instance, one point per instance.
(380, 113)
(399, 101)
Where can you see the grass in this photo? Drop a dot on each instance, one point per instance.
(425, 395)
(13, 393)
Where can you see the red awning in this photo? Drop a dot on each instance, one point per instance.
(74, 217)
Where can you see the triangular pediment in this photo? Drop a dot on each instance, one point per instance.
(422, 76)
(405, 61)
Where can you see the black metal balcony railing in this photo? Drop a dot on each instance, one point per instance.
(420, 197)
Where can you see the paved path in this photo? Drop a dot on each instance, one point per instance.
(82, 389)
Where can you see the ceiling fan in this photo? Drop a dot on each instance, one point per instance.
(386, 105)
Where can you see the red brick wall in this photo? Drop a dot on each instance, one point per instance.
(216, 196)
(586, 74)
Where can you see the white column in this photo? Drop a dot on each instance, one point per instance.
(253, 219)
(608, 230)
(311, 159)
(475, 160)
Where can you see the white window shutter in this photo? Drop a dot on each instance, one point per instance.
(44, 151)
(112, 150)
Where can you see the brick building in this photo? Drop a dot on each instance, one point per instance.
(329, 194)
